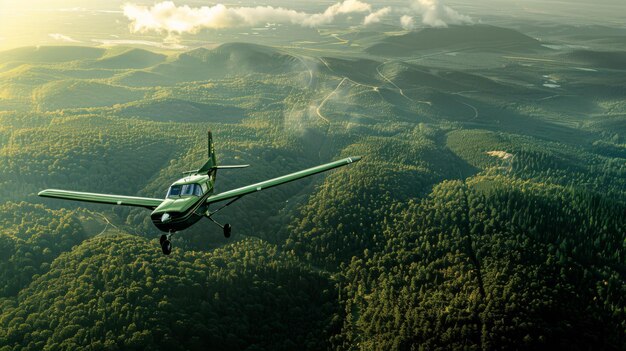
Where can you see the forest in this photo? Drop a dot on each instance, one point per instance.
(485, 214)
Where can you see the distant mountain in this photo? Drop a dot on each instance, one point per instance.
(573, 31)
(51, 54)
(474, 38)
(599, 59)
(132, 58)
(229, 59)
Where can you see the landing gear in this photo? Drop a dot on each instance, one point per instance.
(226, 227)
(166, 244)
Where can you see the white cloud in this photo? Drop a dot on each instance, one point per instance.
(167, 17)
(375, 17)
(407, 22)
(435, 14)
(61, 37)
(348, 6)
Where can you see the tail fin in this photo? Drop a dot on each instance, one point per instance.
(212, 162)
(211, 149)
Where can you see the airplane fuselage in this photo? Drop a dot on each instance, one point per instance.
(188, 198)
(185, 203)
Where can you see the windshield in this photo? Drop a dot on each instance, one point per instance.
(184, 190)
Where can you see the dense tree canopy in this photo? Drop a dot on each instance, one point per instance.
(475, 220)
(116, 292)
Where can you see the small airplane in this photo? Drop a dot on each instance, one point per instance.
(188, 198)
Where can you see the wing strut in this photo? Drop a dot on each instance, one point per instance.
(211, 213)
(226, 227)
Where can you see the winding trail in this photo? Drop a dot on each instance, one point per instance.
(341, 40)
(473, 108)
(400, 90)
(319, 113)
(344, 78)
(326, 64)
(460, 93)
(390, 81)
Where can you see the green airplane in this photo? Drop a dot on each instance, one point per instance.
(188, 199)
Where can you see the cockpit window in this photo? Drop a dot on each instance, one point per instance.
(174, 191)
(187, 189)
(184, 190)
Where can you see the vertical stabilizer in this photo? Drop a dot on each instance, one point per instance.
(211, 164)
(211, 149)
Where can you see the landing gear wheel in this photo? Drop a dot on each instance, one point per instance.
(227, 230)
(163, 238)
(166, 245)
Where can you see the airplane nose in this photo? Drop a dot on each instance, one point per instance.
(165, 218)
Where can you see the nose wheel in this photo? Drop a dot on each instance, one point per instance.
(166, 244)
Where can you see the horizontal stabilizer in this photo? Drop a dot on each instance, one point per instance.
(232, 166)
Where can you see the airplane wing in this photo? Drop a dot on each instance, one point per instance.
(280, 180)
(146, 202)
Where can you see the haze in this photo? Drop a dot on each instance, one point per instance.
(39, 22)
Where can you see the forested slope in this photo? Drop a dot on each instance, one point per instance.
(116, 292)
(490, 264)
(486, 213)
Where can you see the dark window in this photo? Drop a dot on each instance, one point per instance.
(197, 190)
(185, 190)
(174, 191)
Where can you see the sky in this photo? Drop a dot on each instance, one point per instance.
(94, 22)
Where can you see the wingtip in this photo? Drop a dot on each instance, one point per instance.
(46, 192)
(352, 159)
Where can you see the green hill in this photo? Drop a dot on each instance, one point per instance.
(116, 291)
(78, 93)
(467, 38)
(229, 59)
(32, 236)
(359, 70)
(132, 58)
(478, 265)
(599, 59)
(142, 79)
(408, 75)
